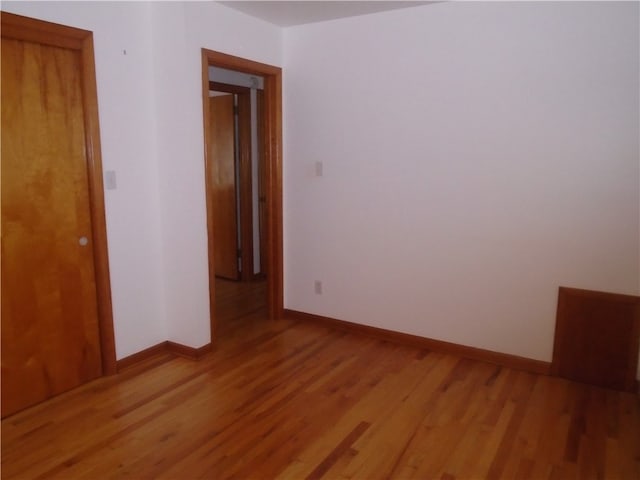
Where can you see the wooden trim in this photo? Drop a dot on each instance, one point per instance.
(439, 346)
(29, 29)
(261, 184)
(228, 88)
(208, 174)
(38, 31)
(613, 297)
(142, 355)
(163, 347)
(188, 352)
(231, 62)
(245, 187)
(273, 163)
(273, 193)
(98, 218)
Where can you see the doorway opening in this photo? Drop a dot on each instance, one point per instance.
(243, 181)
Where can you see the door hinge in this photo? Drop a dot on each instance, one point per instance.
(236, 110)
(239, 253)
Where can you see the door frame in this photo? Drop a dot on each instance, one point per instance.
(261, 183)
(18, 27)
(272, 149)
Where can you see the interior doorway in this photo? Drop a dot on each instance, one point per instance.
(242, 123)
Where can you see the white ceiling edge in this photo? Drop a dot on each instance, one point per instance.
(291, 13)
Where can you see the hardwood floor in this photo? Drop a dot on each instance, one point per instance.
(285, 399)
(235, 300)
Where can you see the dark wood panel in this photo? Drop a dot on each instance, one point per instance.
(596, 338)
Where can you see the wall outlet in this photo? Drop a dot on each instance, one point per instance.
(317, 287)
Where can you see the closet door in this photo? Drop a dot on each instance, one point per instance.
(50, 316)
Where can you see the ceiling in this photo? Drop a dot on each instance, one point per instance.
(287, 14)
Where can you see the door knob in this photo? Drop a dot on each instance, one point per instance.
(83, 241)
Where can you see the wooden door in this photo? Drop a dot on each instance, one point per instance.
(50, 312)
(223, 187)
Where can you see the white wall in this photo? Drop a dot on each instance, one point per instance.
(476, 157)
(150, 103)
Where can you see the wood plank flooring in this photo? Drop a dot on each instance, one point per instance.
(285, 399)
(235, 300)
